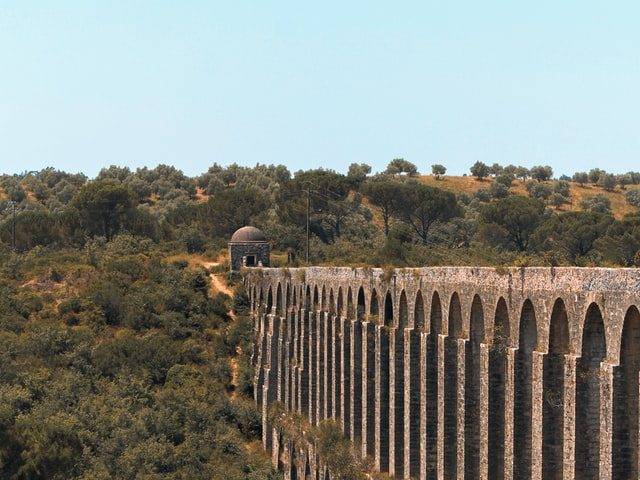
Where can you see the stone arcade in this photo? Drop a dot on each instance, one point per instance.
(455, 373)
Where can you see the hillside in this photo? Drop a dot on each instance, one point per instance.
(468, 184)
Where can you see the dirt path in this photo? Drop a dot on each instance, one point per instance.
(218, 285)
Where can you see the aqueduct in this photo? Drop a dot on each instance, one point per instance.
(454, 372)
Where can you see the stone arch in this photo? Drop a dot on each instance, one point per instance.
(399, 350)
(452, 352)
(360, 309)
(523, 391)
(472, 389)
(553, 375)
(588, 374)
(497, 391)
(418, 312)
(625, 400)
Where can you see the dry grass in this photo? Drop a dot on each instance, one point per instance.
(470, 185)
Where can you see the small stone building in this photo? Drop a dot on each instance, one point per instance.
(248, 247)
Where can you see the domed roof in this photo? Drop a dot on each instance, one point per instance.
(248, 234)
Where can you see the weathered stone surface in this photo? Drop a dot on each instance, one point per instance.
(455, 372)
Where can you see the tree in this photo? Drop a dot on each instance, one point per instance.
(357, 174)
(438, 170)
(607, 181)
(421, 206)
(595, 174)
(480, 170)
(384, 192)
(581, 178)
(511, 221)
(104, 207)
(597, 203)
(496, 169)
(522, 173)
(398, 166)
(633, 197)
(232, 208)
(505, 178)
(542, 172)
(572, 233)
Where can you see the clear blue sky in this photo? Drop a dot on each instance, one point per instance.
(308, 84)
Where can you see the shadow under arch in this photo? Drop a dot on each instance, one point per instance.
(279, 300)
(431, 410)
(472, 389)
(452, 351)
(356, 326)
(369, 334)
(588, 382)
(374, 306)
(553, 375)
(398, 388)
(625, 400)
(523, 392)
(497, 392)
(384, 386)
(415, 340)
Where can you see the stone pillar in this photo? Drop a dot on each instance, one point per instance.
(355, 433)
(412, 412)
(422, 474)
(320, 366)
(295, 366)
(537, 360)
(328, 366)
(606, 420)
(337, 391)
(303, 367)
(369, 388)
(271, 379)
(569, 424)
(346, 375)
(382, 431)
(509, 389)
(483, 448)
(313, 364)
(461, 407)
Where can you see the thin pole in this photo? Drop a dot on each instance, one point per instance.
(14, 226)
(308, 208)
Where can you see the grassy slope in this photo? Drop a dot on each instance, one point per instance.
(471, 185)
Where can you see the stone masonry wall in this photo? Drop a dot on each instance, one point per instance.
(455, 372)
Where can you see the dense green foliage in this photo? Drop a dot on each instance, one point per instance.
(115, 365)
(391, 218)
(116, 358)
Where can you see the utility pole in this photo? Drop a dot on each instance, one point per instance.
(308, 208)
(13, 227)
